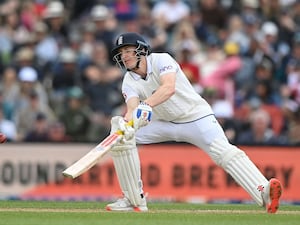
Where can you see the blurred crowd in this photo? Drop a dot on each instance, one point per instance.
(59, 84)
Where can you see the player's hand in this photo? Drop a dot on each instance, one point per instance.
(141, 115)
(119, 124)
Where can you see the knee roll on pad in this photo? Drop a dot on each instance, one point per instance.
(222, 152)
(124, 145)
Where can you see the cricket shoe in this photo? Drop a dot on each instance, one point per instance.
(271, 194)
(123, 204)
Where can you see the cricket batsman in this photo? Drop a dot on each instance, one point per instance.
(156, 89)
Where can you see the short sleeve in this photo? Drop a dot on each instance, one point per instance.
(166, 64)
(128, 92)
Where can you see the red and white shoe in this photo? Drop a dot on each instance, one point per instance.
(271, 195)
(123, 204)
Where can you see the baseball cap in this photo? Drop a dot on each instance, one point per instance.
(67, 55)
(75, 92)
(99, 12)
(251, 3)
(54, 9)
(231, 48)
(28, 74)
(24, 53)
(269, 28)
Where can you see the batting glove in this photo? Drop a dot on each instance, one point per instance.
(119, 124)
(141, 115)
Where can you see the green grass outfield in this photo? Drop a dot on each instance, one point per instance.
(89, 213)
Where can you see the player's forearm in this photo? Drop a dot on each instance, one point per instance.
(131, 105)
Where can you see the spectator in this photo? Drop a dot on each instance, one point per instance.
(25, 118)
(57, 133)
(101, 92)
(55, 16)
(153, 33)
(7, 127)
(12, 33)
(25, 57)
(103, 97)
(28, 14)
(28, 82)
(271, 45)
(76, 116)
(222, 77)
(201, 29)
(210, 58)
(46, 47)
(266, 92)
(287, 28)
(39, 130)
(13, 28)
(65, 71)
(124, 10)
(87, 44)
(237, 34)
(264, 76)
(100, 55)
(184, 33)
(249, 8)
(251, 28)
(263, 92)
(271, 10)
(294, 127)
(259, 132)
(291, 60)
(177, 10)
(106, 25)
(209, 9)
(295, 12)
(251, 53)
(100, 59)
(65, 76)
(293, 81)
(80, 9)
(9, 87)
(184, 56)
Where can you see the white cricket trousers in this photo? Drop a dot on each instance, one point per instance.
(207, 134)
(200, 133)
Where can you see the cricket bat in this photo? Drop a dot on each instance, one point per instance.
(94, 155)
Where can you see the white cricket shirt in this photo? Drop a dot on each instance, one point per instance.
(185, 105)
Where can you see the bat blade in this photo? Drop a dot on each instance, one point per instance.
(92, 157)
